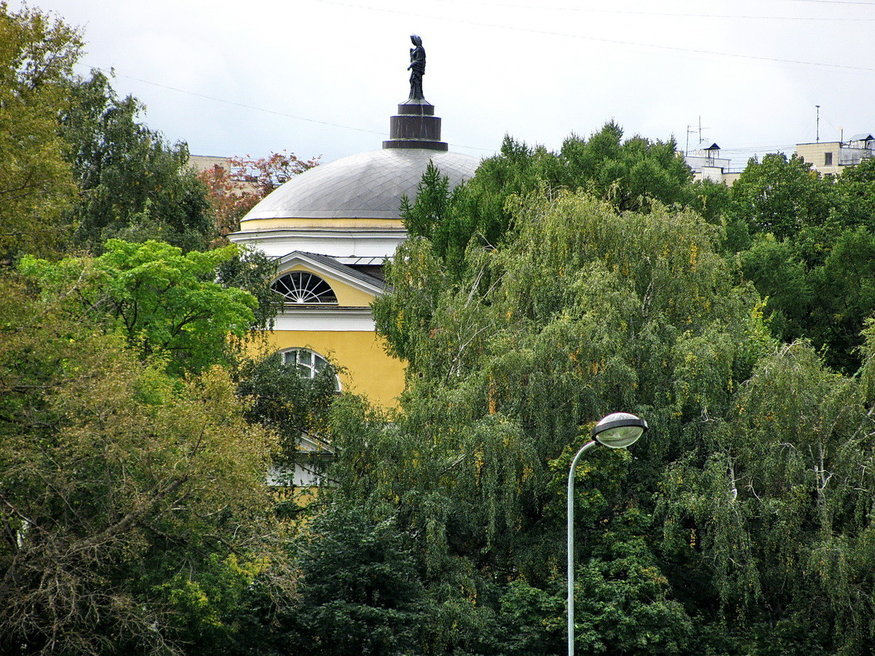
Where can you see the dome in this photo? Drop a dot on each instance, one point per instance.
(364, 186)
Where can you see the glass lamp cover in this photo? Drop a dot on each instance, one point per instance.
(619, 430)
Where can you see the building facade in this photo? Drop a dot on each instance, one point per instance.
(832, 157)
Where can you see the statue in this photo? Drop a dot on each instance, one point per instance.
(416, 68)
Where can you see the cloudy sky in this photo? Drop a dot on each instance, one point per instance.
(321, 77)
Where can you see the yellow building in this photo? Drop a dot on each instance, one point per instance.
(832, 157)
(331, 229)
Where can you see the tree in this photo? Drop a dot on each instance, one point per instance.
(810, 251)
(777, 505)
(582, 309)
(781, 196)
(37, 53)
(132, 184)
(253, 271)
(844, 287)
(361, 593)
(235, 190)
(629, 175)
(855, 196)
(287, 403)
(163, 302)
(123, 491)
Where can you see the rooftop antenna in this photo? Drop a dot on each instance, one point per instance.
(817, 123)
(701, 139)
(687, 147)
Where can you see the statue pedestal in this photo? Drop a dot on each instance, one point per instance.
(415, 126)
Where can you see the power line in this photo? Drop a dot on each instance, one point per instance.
(110, 72)
(631, 12)
(835, 2)
(621, 42)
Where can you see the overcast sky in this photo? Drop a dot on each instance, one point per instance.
(322, 77)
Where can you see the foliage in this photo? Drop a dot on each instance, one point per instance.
(811, 251)
(37, 53)
(287, 403)
(120, 485)
(132, 184)
(855, 200)
(845, 291)
(628, 174)
(781, 196)
(234, 190)
(253, 271)
(163, 302)
(778, 505)
(360, 594)
(582, 310)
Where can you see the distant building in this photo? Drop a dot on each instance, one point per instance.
(708, 165)
(201, 163)
(209, 163)
(832, 157)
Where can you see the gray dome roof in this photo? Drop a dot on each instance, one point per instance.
(364, 186)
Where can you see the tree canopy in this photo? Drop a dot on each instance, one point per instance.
(132, 184)
(37, 53)
(124, 491)
(165, 303)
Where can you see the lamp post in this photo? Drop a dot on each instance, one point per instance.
(616, 431)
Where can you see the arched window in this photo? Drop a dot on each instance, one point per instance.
(308, 363)
(304, 287)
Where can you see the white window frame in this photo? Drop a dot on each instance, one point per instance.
(308, 362)
(304, 287)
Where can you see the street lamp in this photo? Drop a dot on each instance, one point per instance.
(616, 431)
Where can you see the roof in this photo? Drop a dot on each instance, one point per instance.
(364, 186)
(329, 264)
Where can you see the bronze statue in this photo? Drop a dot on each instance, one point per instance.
(416, 68)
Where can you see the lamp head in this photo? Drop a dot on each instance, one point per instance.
(619, 430)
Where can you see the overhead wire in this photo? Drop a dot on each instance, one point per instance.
(530, 30)
(667, 14)
(235, 103)
(636, 44)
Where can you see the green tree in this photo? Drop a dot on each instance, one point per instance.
(163, 302)
(360, 593)
(810, 252)
(132, 184)
(845, 290)
(629, 174)
(253, 271)
(777, 505)
(289, 404)
(780, 195)
(582, 310)
(122, 490)
(37, 53)
(855, 196)
(783, 279)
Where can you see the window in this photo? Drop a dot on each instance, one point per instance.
(827, 159)
(303, 287)
(308, 363)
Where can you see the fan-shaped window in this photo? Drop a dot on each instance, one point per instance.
(304, 287)
(308, 363)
